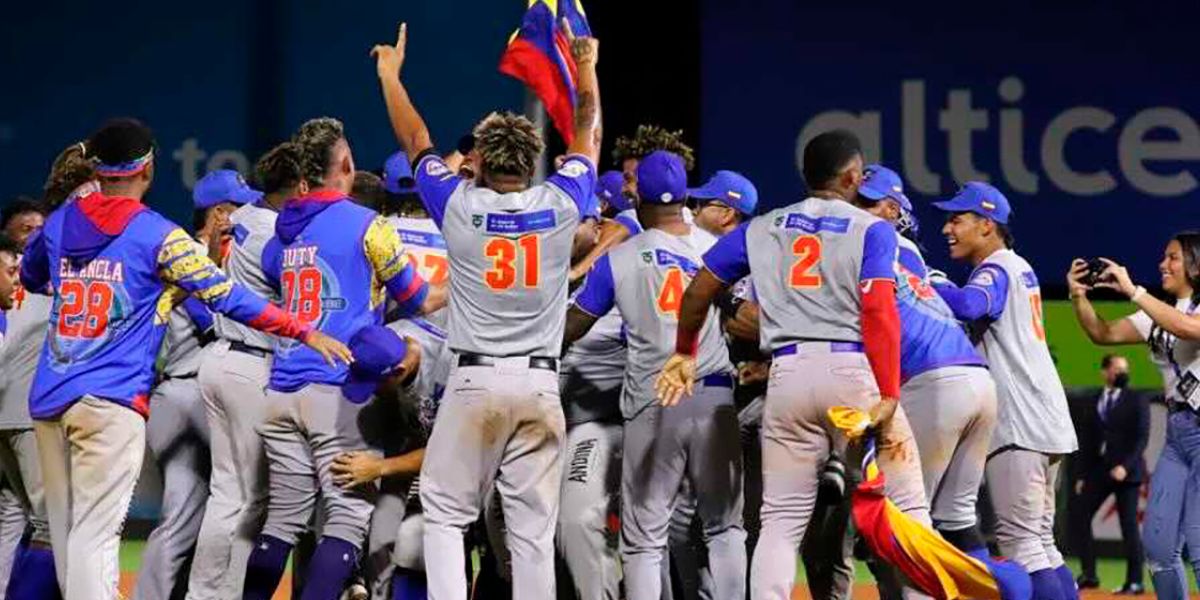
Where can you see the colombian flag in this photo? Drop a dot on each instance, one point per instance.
(539, 55)
(932, 565)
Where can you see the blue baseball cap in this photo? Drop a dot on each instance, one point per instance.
(609, 187)
(728, 188)
(662, 178)
(398, 175)
(225, 185)
(979, 198)
(880, 182)
(377, 352)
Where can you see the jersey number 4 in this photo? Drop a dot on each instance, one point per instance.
(506, 254)
(807, 249)
(302, 293)
(670, 293)
(85, 307)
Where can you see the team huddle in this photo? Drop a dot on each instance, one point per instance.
(622, 382)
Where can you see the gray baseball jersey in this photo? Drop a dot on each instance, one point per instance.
(509, 256)
(592, 371)
(253, 227)
(27, 323)
(425, 390)
(425, 243)
(823, 240)
(1032, 404)
(181, 345)
(645, 278)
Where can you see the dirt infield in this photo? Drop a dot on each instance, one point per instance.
(862, 591)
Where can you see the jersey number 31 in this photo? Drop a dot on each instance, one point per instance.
(506, 254)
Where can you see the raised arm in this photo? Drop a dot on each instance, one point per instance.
(586, 51)
(1175, 322)
(410, 129)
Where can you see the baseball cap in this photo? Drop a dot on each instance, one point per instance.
(979, 198)
(377, 352)
(728, 188)
(608, 188)
(398, 175)
(662, 178)
(880, 182)
(225, 185)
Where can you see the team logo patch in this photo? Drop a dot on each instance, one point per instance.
(779, 220)
(573, 168)
(647, 257)
(477, 220)
(435, 168)
(984, 278)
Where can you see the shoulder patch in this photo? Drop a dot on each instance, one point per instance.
(983, 278)
(573, 168)
(436, 168)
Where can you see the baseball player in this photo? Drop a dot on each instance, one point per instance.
(824, 278)
(509, 245)
(27, 316)
(233, 375)
(338, 283)
(946, 390)
(115, 268)
(12, 509)
(591, 374)
(644, 279)
(419, 233)
(177, 431)
(1003, 304)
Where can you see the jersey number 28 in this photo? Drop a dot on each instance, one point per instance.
(85, 307)
(506, 254)
(302, 293)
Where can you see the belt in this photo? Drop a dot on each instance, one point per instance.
(724, 380)
(481, 360)
(248, 349)
(818, 346)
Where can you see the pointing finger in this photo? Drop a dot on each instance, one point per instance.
(402, 35)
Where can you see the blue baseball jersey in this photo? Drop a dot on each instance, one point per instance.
(930, 335)
(335, 263)
(116, 270)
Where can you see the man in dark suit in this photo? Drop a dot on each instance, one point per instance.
(1114, 434)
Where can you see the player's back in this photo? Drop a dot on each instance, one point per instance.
(427, 246)
(509, 258)
(930, 336)
(327, 280)
(650, 273)
(109, 314)
(253, 227)
(1032, 404)
(806, 260)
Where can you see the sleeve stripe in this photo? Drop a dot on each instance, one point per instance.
(415, 284)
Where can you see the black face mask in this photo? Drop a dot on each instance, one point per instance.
(1121, 380)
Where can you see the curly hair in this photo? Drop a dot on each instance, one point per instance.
(316, 138)
(649, 138)
(508, 144)
(70, 170)
(368, 191)
(282, 167)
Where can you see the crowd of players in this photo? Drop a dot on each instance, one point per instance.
(611, 380)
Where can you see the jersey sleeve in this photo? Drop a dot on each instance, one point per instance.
(272, 262)
(879, 252)
(599, 292)
(35, 264)
(1142, 323)
(201, 317)
(180, 262)
(435, 184)
(629, 222)
(577, 179)
(727, 258)
(913, 262)
(394, 267)
(983, 296)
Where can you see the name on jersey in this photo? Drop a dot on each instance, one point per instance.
(664, 258)
(100, 269)
(423, 239)
(809, 224)
(300, 256)
(516, 223)
(1030, 279)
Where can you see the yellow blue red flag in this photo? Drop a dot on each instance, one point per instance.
(539, 55)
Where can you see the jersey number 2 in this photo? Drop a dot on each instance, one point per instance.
(84, 312)
(505, 253)
(302, 293)
(807, 249)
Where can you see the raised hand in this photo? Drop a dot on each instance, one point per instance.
(584, 49)
(1075, 284)
(389, 59)
(1116, 277)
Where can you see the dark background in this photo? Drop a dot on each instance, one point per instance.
(742, 79)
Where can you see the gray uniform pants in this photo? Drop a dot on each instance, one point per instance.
(91, 456)
(500, 425)
(20, 466)
(696, 440)
(687, 548)
(233, 385)
(304, 432)
(394, 539)
(12, 528)
(177, 434)
(952, 411)
(1022, 487)
(797, 440)
(590, 492)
